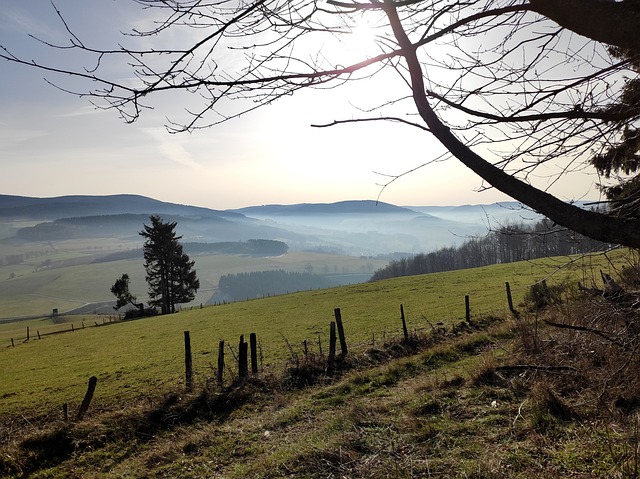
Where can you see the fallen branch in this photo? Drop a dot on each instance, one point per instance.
(610, 284)
(592, 291)
(597, 332)
(533, 367)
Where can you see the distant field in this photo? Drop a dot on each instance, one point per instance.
(27, 292)
(137, 358)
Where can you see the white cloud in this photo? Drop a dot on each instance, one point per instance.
(171, 147)
(82, 111)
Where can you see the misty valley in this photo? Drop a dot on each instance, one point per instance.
(64, 253)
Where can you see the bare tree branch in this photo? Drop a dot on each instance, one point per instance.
(506, 86)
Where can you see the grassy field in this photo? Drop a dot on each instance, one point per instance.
(26, 291)
(439, 408)
(145, 357)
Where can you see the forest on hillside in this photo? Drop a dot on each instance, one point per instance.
(260, 284)
(252, 247)
(516, 242)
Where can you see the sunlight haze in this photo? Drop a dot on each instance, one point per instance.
(53, 143)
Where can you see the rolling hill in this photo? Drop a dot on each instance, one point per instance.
(64, 253)
(347, 227)
(78, 205)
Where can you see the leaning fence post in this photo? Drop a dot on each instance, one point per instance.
(220, 360)
(188, 362)
(404, 325)
(87, 398)
(243, 366)
(332, 344)
(343, 341)
(253, 342)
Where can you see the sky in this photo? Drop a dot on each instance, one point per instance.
(54, 144)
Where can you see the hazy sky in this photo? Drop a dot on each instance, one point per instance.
(53, 143)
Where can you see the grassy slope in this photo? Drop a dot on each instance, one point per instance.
(430, 415)
(145, 356)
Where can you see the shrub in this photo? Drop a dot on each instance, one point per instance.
(541, 295)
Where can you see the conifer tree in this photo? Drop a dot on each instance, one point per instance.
(170, 274)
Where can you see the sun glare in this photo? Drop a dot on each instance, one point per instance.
(362, 40)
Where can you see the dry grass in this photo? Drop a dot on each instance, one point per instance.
(595, 340)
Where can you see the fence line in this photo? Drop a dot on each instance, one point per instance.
(336, 332)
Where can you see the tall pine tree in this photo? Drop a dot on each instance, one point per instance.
(170, 274)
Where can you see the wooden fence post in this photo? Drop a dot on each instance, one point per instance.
(404, 325)
(27, 333)
(243, 366)
(87, 398)
(38, 331)
(510, 300)
(12, 344)
(253, 342)
(188, 362)
(332, 345)
(467, 309)
(343, 341)
(220, 360)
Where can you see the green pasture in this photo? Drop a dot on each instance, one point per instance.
(145, 357)
(26, 292)
(17, 330)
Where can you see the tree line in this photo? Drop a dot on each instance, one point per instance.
(80, 227)
(258, 284)
(516, 242)
(252, 247)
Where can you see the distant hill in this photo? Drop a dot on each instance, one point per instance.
(372, 226)
(339, 208)
(79, 206)
(202, 228)
(122, 216)
(346, 227)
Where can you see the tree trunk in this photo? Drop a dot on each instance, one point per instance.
(605, 21)
(594, 225)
